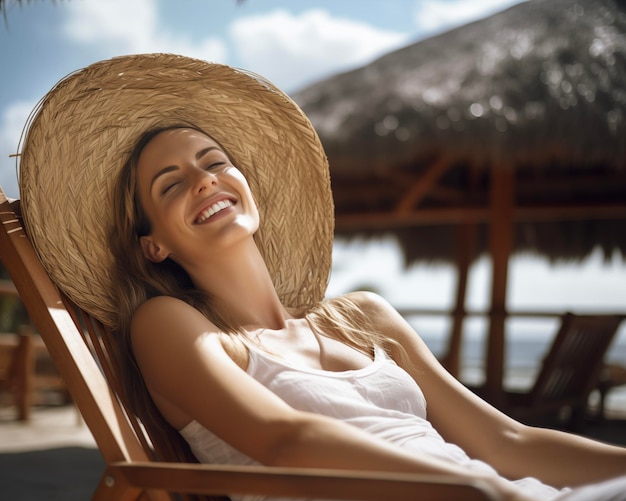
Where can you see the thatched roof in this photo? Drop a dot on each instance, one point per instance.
(540, 87)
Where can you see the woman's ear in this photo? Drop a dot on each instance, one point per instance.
(152, 251)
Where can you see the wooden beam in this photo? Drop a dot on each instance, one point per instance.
(568, 182)
(422, 186)
(471, 214)
(24, 372)
(465, 246)
(571, 212)
(391, 220)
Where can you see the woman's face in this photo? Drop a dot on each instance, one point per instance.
(198, 203)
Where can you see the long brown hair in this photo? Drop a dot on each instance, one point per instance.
(138, 279)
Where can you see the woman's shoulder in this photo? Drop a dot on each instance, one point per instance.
(369, 302)
(376, 309)
(162, 301)
(163, 306)
(383, 317)
(163, 314)
(160, 316)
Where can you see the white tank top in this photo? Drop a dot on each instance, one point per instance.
(380, 398)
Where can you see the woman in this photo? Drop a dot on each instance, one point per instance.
(244, 378)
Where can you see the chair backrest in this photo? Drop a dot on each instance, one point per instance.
(81, 348)
(572, 366)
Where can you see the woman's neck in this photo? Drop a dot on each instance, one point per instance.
(242, 288)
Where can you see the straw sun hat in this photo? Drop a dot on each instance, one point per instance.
(83, 130)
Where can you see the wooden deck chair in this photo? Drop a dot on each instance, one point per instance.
(139, 463)
(569, 373)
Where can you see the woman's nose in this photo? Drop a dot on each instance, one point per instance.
(203, 180)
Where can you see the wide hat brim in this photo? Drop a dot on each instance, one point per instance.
(82, 132)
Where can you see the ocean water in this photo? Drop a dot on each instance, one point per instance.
(527, 342)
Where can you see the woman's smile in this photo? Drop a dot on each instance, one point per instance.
(218, 207)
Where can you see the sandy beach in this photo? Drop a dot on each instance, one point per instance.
(53, 457)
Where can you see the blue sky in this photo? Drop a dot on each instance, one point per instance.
(291, 43)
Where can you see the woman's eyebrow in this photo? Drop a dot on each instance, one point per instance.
(163, 171)
(204, 151)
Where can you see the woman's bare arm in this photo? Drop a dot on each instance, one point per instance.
(184, 363)
(485, 433)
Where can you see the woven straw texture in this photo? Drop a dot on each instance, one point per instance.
(83, 130)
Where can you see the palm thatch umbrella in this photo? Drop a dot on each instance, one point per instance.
(509, 132)
(6, 4)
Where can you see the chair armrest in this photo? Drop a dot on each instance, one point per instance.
(286, 482)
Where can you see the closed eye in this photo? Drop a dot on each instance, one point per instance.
(168, 187)
(214, 165)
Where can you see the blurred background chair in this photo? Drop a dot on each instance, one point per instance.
(571, 370)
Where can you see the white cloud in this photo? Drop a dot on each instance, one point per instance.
(119, 26)
(12, 122)
(292, 50)
(288, 49)
(131, 24)
(436, 16)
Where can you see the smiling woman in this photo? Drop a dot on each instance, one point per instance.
(175, 161)
(199, 228)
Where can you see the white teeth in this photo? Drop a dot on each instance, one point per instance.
(214, 209)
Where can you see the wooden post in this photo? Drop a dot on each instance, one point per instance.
(24, 373)
(465, 248)
(500, 246)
